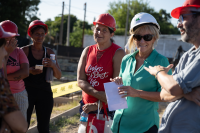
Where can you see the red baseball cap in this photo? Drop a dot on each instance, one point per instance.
(188, 3)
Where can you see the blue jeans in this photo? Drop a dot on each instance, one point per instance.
(110, 113)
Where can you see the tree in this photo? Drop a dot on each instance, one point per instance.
(79, 24)
(76, 29)
(55, 25)
(21, 12)
(119, 11)
(76, 38)
(163, 18)
(76, 35)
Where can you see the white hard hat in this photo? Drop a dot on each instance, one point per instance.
(143, 18)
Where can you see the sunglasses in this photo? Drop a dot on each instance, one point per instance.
(181, 17)
(147, 37)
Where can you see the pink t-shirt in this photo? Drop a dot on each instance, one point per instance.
(16, 58)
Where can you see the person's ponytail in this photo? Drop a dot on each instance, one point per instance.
(111, 31)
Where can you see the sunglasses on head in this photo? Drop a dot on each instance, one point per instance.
(147, 37)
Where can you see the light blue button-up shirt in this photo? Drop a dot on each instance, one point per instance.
(183, 116)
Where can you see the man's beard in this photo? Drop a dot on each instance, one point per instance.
(191, 32)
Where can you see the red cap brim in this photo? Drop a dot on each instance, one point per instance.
(8, 34)
(17, 35)
(176, 12)
(94, 23)
(4, 34)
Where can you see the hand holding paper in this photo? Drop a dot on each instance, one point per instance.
(115, 101)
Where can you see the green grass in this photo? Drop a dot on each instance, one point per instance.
(33, 122)
(71, 123)
(66, 107)
(57, 110)
(64, 123)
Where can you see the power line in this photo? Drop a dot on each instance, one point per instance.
(52, 4)
(83, 9)
(84, 24)
(61, 26)
(73, 8)
(68, 24)
(75, 12)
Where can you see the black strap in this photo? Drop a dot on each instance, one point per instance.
(45, 52)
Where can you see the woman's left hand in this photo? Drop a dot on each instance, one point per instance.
(155, 69)
(11, 45)
(47, 62)
(128, 91)
(89, 107)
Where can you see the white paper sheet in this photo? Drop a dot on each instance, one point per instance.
(113, 98)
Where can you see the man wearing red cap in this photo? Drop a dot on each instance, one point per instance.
(183, 87)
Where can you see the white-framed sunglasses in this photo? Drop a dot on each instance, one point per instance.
(180, 19)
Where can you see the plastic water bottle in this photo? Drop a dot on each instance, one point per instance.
(84, 117)
(83, 124)
(49, 74)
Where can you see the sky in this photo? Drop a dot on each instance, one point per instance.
(52, 8)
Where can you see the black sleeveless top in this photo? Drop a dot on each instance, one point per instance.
(35, 83)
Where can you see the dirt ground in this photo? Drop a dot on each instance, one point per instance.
(74, 128)
(70, 129)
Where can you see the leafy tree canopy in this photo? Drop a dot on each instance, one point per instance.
(76, 29)
(54, 26)
(76, 35)
(119, 11)
(21, 12)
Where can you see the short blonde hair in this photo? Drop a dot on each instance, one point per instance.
(153, 29)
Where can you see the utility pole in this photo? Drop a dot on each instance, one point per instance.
(84, 24)
(56, 44)
(49, 35)
(61, 26)
(68, 24)
(127, 17)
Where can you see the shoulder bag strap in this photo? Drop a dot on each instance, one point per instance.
(45, 52)
(105, 110)
(98, 110)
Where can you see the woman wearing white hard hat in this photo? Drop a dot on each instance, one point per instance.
(141, 89)
(11, 118)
